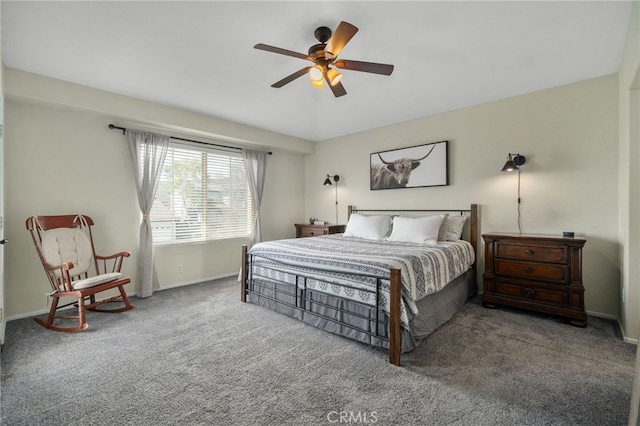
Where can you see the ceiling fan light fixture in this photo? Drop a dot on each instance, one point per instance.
(316, 74)
(324, 57)
(334, 76)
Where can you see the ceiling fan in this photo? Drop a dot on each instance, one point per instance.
(325, 57)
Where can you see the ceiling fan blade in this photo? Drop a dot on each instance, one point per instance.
(371, 67)
(338, 90)
(281, 51)
(290, 78)
(340, 38)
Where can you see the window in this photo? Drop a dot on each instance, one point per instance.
(202, 195)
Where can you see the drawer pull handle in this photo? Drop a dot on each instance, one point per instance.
(529, 252)
(529, 292)
(528, 269)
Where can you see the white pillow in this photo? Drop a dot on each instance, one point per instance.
(370, 227)
(451, 228)
(416, 229)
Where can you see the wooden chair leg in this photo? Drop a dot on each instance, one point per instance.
(52, 311)
(52, 315)
(125, 299)
(122, 298)
(81, 310)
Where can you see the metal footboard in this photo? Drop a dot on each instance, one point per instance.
(300, 297)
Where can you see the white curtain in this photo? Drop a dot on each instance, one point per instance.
(148, 151)
(255, 163)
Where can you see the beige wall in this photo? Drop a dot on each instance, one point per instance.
(62, 158)
(59, 162)
(569, 136)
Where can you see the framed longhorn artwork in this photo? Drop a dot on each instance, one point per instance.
(411, 167)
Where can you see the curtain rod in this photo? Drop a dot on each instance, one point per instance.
(124, 129)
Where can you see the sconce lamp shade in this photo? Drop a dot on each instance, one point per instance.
(513, 162)
(327, 181)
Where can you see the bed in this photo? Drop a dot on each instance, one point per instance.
(392, 278)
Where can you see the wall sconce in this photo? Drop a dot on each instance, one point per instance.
(513, 163)
(327, 182)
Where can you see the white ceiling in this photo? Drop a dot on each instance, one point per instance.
(199, 56)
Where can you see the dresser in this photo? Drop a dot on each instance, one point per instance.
(540, 273)
(306, 230)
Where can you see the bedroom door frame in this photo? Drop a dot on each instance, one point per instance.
(3, 322)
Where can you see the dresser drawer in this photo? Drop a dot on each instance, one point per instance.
(536, 253)
(311, 231)
(529, 270)
(533, 293)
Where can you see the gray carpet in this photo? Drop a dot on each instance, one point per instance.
(195, 355)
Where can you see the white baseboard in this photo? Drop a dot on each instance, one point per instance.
(32, 314)
(46, 311)
(182, 284)
(616, 319)
(601, 315)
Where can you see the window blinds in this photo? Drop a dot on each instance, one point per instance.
(202, 195)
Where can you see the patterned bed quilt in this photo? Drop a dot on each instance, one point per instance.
(347, 266)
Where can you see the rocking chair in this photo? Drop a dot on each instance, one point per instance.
(65, 247)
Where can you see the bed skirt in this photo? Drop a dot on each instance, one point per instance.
(357, 322)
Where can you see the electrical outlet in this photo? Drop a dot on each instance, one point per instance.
(179, 269)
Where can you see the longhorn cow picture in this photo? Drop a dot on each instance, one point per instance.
(416, 166)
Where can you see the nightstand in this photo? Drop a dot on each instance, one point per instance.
(540, 273)
(306, 230)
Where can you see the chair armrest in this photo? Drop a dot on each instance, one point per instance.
(62, 266)
(113, 256)
(63, 280)
(105, 267)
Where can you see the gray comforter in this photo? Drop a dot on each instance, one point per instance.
(350, 267)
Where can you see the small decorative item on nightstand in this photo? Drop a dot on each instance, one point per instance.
(543, 274)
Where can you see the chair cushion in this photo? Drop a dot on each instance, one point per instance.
(67, 245)
(94, 281)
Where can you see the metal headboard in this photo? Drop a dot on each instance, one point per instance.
(470, 232)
